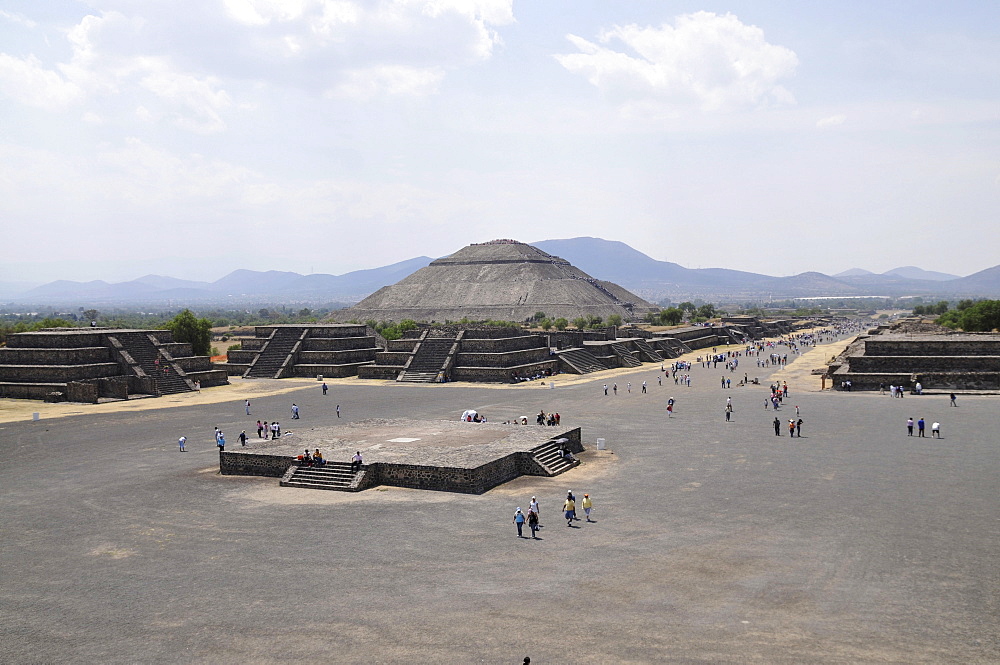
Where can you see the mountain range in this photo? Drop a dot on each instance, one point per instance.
(604, 259)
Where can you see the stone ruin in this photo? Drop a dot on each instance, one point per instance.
(912, 352)
(89, 364)
(502, 280)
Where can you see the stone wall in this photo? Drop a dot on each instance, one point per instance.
(41, 340)
(511, 359)
(336, 357)
(949, 363)
(53, 356)
(56, 373)
(81, 392)
(329, 371)
(502, 374)
(943, 347)
(506, 344)
(338, 343)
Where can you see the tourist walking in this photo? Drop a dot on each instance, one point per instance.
(920, 427)
(295, 411)
(729, 411)
(791, 428)
(628, 387)
(533, 524)
(587, 505)
(643, 387)
(777, 427)
(338, 410)
(243, 438)
(953, 398)
(615, 388)
(248, 407)
(181, 441)
(798, 428)
(324, 388)
(519, 520)
(260, 430)
(569, 508)
(533, 507)
(220, 441)
(909, 427)
(670, 407)
(936, 430)
(605, 390)
(356, 462)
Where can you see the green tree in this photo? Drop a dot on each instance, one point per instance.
(706, 311)
(671, 316)
(940, 308)
(90, 315)
(580, 322)
(539, 316)
(984, 316)
(560, 323)
(615, 320)
(546, 324)
(687, 307)
(191, 330)
(595, 321)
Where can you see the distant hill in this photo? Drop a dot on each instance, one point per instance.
(608, 260)
(913, 272)
(854, 272)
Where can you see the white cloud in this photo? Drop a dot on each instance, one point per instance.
(29, 82)
(831, 121)
(364, 84)
(712, 61)
(17, 18)
(195, 103)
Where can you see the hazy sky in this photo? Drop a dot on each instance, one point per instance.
(193, 137)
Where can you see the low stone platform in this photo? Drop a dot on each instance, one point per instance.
(441, 455)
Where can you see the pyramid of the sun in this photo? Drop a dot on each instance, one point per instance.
(498, 280)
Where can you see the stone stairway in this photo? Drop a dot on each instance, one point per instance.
(273, 355)
(428, 361)
(547, 455)
(626, 356)
(646, 351)
(336, 476)
(165, 374)
(580, 361)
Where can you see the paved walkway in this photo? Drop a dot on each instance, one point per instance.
(713, 541)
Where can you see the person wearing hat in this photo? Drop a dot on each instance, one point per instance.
(519, 521)
(533, 508)
(569, 508)
(587, 505)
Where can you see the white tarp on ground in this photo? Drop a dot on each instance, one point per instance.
(469, 414)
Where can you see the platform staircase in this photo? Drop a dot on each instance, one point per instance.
(580, 361)
(271, 358)
(646, 351)
(626, 356)
(429, 360)
(166, 375)
(336, 476)
(548, 457)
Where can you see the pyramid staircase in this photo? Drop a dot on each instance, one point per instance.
(647, 352)
(626, 356)
(580, 361)
(428, 361)
(272, 357)
(144, 351)
(336, 476)
(547, 456)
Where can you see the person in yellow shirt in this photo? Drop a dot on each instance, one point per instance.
(587, 505)
(570, 509)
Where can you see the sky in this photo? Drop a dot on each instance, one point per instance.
(193, 137)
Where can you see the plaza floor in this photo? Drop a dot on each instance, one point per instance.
(713, 541)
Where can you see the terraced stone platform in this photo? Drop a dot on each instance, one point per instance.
(441, 455)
